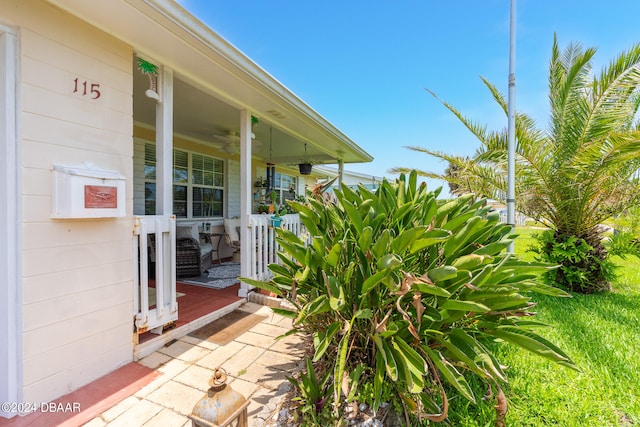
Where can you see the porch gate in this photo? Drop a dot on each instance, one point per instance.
(154, 244)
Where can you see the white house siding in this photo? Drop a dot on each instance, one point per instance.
(77, 274)
(305, 183)
(233, 188)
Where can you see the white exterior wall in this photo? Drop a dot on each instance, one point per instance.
(305, 183)
(10, 261)
(352, 180)
(77, 274)
(233, 188)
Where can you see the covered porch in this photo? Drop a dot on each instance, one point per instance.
(206, 152)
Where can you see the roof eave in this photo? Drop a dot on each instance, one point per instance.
(202, 39)
(201, 33)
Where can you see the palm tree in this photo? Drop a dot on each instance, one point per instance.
(575, 173)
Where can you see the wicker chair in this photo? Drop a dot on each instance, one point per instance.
(193, 251)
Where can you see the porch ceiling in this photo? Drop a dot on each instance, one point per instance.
(213, 81)
(203, 118)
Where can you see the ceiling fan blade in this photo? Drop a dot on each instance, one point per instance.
(225, 138)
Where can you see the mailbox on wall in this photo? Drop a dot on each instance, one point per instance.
(86, 191)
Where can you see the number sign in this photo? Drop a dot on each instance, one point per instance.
(85, 88)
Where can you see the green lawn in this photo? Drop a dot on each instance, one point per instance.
(602, 335)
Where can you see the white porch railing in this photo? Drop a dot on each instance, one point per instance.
(154, 239)
(263, 235)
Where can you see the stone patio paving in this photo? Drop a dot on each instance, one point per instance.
(256, 363)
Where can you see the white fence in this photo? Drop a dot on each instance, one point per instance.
(264, 240)
(154, 244)
(154, 240)
(520, 219)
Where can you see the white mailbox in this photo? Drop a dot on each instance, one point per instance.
(86, 191)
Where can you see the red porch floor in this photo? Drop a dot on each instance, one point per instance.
(198, 301)
(92, 399)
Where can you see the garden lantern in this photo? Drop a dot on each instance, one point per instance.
(222, 406)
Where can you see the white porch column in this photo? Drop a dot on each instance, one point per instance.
(10, 219)
(340, 170)
(164, 143)
(245, 200)
(164, 176)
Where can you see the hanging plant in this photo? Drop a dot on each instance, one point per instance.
(306, 164)
(305, 168)
(261, 182)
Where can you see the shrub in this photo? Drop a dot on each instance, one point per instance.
(622, 244)
(628, 221)
(583, 268)
(402, 295)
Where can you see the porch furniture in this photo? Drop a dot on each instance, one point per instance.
(232, 236)
(194, 251)
(220, 237)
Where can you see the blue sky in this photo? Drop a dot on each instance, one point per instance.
(364, 65)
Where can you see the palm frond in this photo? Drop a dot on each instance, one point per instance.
(479, 131)
(614, 96)
(577, 170)
(497, 95)
(569, 75)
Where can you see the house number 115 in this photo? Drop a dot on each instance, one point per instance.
(85, 88)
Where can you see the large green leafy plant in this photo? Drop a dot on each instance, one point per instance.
(403, 294)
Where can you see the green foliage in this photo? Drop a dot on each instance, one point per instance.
(262, 209)
(413, 289)
(590, 328)
(626, 238)
(580, 267)
(281, 210)
(622, 244)
(313, 394)
(147, 67)
(574, 173)
(261, 182)
(629, 220)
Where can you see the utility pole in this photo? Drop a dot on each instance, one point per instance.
(511, 130)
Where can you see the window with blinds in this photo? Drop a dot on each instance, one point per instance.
(207, 180)
(285, 187)
(198, 184)
(149, 179)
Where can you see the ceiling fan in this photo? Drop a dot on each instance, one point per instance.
(230, 141)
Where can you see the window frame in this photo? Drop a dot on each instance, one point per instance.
(284, 193)
(218, 177)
